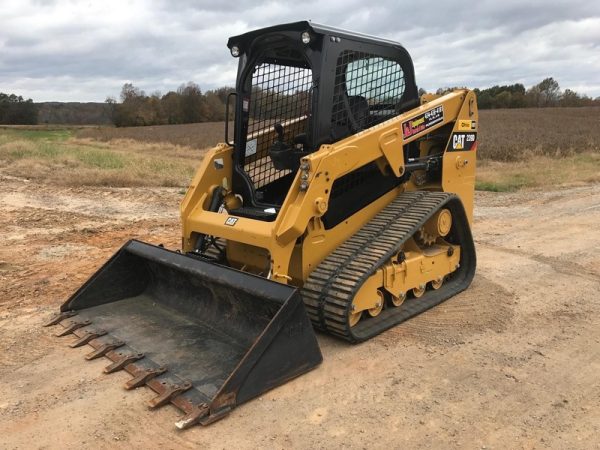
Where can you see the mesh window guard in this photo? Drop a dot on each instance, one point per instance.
(367, 91)
(280, 94)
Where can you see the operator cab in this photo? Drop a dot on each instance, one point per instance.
(301, 85)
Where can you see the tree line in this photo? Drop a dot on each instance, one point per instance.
(15, 110)
(545, 94)
(185, 105)
(188, 104)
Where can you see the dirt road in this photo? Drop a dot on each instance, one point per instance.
(514, 362)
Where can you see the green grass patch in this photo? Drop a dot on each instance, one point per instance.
(509, 182)
(55, 151)
(163, 166)
(56, 135)
(50, 155)
(101, 159)
(493, 186)
(19, 153)
(538, 171)
(48, 150)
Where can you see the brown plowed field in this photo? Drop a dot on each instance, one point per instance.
(514, 362)
(504, 134)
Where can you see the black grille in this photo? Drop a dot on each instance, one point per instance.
(367, 91)
(353, 179)
(280, 94)
(354, 191)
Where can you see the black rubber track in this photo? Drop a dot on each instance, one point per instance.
(330, 288)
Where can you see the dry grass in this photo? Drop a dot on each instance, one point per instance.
(520, 148)
(504, 134)
(195, 135)
(541, 171)
(54, 156)
(517, 149)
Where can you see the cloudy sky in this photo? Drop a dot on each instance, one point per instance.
(85, 50)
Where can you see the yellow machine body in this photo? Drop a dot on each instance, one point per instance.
(289, 248)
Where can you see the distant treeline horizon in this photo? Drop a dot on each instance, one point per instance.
(545, 94)
(188, 104)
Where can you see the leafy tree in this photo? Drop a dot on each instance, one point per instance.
(508, 96)
(112, 107)
(15, 110)
(130, 92)
(187, 105)
(193, 106)
(503, 99)
(484, 99)
(549, 92)
(171, 104)
(533, 97)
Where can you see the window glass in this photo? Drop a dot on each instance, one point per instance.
(368, 89)
(377, 79)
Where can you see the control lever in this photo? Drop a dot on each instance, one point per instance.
(279, 130)
(282, 154)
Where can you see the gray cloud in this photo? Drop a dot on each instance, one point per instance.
(83, 51)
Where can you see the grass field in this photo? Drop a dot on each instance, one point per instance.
(521, 148)
(195, 135)
(538, 171)
(519, 134)
(517, 149)
(504, 134)
(57, 156)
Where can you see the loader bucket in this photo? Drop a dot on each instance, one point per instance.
(204, 337)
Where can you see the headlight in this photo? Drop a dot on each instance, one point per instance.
(235, 51)
(306, 37)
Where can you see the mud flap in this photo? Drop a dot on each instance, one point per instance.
(204, 337)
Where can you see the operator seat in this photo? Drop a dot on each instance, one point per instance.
(359, 108)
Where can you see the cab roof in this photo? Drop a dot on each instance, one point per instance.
(244, 40)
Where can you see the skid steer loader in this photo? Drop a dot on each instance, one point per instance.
(343, 203)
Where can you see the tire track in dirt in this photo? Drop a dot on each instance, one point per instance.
(565, 266)
(485, 306)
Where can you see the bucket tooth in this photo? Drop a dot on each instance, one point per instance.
(88, 335)
(73, 325)
(59, 318)
(197, 413)
(170, 391)
(122, 361)
(216, 415)
(225, 336)
(103, 349)
(143, 376)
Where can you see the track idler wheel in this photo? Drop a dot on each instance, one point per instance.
(376, 310)
(436, 284)
(419, 291)
(397, 300)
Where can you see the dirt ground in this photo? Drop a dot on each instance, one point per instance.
(514, 362)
